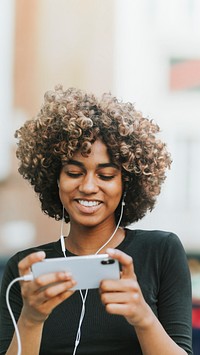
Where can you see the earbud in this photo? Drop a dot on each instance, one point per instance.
(58, 183)
(123, 198)
(124, 193)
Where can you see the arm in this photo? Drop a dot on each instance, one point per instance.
(124, 297)
(40, 297)
(154, 339)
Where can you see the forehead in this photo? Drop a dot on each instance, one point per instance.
(99, 152)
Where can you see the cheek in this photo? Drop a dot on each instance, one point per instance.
(66, 184)
(115, 190)
(64, 198)
(64, 192)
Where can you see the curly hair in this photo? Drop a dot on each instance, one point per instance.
(72, 120)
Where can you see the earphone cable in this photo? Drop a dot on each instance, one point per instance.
(118, 224)
(28, 277)
(84, 297)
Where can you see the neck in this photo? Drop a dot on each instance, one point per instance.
(83, 240)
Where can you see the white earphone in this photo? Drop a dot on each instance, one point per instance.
(83, 297)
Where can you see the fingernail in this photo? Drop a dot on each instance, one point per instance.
(41, 254)
(110, 251)
(68, 274)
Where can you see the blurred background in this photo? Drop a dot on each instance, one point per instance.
(143, 51)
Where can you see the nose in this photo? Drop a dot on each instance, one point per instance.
(89, 184)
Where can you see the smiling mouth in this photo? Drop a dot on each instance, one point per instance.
(86, 203)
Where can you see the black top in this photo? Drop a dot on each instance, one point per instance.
(162, 271)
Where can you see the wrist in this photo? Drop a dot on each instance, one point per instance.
(146, 322)
(30, 322)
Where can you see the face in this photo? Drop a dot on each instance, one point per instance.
(91, 187)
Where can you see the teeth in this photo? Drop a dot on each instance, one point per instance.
(88, 203)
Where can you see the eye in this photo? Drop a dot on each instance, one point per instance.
(73, 174)
(106, 177)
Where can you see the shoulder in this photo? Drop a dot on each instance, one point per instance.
(158, 253)
(153, 237)
(51, 250)
(155, 244)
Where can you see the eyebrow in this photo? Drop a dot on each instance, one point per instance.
(100, 166)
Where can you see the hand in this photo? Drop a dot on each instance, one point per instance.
(44, 293)
(124, 296)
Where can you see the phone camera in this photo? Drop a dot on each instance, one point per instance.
(107, 261)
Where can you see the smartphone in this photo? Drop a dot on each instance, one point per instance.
(88, 270)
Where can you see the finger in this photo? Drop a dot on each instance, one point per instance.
(125, 260)
(47, 280)
(42, 282)
(120, 309)
(39, 308)
(119, 297)
(53, 293)
(57, 289)
(25, 264)
(46, 307)
(122, 285)
(53, 277)
(43, 298)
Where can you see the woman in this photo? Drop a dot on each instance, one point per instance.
(99, 165)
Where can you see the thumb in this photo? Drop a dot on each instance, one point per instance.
(125, 260)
